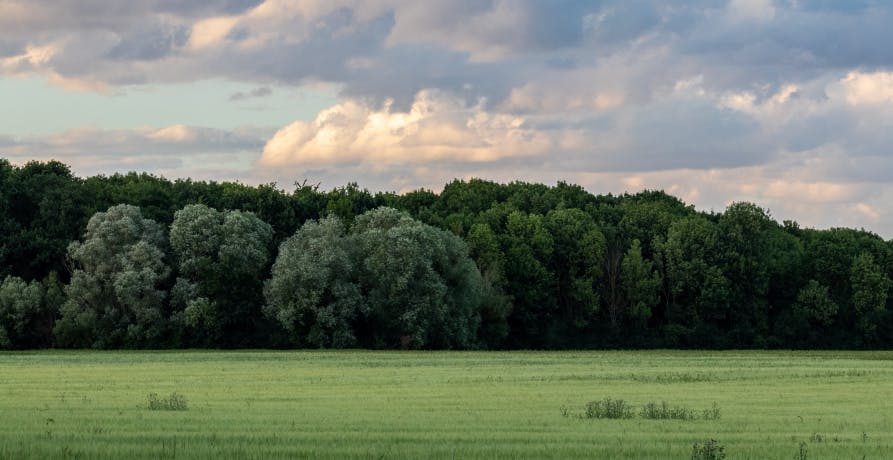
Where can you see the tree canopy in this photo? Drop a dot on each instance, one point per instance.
(136, 260)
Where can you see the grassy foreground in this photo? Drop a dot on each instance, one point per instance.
(359, 404)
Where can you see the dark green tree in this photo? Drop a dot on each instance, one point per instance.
(641, 284)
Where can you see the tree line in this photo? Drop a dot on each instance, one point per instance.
(139, 261)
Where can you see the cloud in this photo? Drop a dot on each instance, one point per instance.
(92, 150)
(871, 89)
(782, 102)
(262, 91)
(435, 128)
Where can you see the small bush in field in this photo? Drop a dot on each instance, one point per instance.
(608, 408)
(710, 449)
(175, 401)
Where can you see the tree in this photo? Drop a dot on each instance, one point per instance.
(870, 288)
(579, 249)
(313, 291)
(45, 209)
(483, 246)
(221, 257)
(114, 299)
(641, 284)
(745, 259)
(421, 287)
(21, 304)
(815, 304)
(528, 246)
(391, 281)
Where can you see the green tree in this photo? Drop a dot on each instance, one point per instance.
(45, 208)
(391, 281)
(421, 287)
(870, 288)
(815, 304)
(745, 259)
(528, 247)
(221, 257)
(576, 260)
(22, 304)
(313, 291)
(641, 284)
(114, 299)
(496, 305)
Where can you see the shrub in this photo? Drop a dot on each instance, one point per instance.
(713, 413)
(663, 411)
(608, 408)
(710, 449)
(173, 402)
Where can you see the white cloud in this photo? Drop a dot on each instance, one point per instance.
(210, 32)
(435, 128)
(868, 89)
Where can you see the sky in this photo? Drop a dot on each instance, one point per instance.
(784, 103)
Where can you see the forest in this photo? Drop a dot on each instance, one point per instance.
(139, 261)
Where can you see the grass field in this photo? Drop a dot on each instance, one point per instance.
(359, 404)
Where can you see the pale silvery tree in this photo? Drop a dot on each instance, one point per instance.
(114, 299)
(221, 257)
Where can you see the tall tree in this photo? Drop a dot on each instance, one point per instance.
(115, 299)
(870, 288)
(641, 284)
(576, 260)
(390, 282)
(314, 292)
(221, 257)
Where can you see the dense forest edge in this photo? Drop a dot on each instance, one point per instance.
(138, 261)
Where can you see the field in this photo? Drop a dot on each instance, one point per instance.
(359, 404)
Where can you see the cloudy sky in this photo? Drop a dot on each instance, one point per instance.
(786, 103)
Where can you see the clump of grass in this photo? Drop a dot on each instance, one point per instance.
(620, 409)
(710, 449)
(664, 411)
(175, 401)
(608, 408)
(801, 454)
(713, 413)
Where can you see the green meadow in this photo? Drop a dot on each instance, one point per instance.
(364, 404)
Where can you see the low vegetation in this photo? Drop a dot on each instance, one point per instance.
(365, 404)
(175, 401)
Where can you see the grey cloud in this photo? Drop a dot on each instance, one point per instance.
(438, 40)
(691, 134)
(150, 43)
(194, 8)
(262, 91)
(173, 140)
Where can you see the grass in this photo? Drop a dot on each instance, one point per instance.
(358, 404)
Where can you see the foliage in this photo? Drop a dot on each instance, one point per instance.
(175, 401)
(114, 299)
(870, 287)
(815, 304)
(640, 283)
(27, 311)
(221, 257)
(314, 291)
(709, 449)
(554, 267)
(390, 282)
(608, 408)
